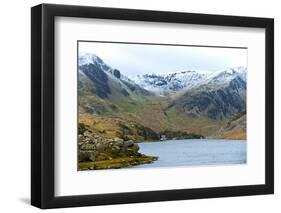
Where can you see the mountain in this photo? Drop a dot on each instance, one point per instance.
(216, 101)
(216, 95)
(102, 88)
(101, 74)
(198, 102)
(171, 83)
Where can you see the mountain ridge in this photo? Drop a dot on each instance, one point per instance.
(170, 83)
(167, 82)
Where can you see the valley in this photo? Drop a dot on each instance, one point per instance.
(116, 113)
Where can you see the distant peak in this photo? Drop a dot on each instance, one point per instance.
(167, 83)
(89, 58)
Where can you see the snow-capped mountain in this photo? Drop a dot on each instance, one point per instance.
(92, 59)
(107, 80)
(88, 59)
(216, 95)
(170, 83)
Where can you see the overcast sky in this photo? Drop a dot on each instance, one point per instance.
(134, 59)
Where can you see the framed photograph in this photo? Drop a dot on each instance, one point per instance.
(139, 106)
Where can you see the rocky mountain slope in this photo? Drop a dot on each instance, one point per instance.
(217, 95)
(217, 102)
(104, 90)
(235, 128)
(106, 79)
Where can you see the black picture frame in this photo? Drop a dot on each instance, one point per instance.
(43, 102)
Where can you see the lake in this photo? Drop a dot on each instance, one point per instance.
(194, 152)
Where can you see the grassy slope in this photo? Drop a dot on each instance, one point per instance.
(147, 112)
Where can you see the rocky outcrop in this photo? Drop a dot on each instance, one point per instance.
(103, 151)
(95, 148)
(116, 73)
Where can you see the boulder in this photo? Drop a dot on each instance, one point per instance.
(86, 156)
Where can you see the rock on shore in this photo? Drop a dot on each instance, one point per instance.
(98, 152)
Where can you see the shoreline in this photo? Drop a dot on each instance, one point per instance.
(116, 163)
(189, 139)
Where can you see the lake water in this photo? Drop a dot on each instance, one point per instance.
(194, 152)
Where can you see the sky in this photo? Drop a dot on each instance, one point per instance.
(138, 59)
